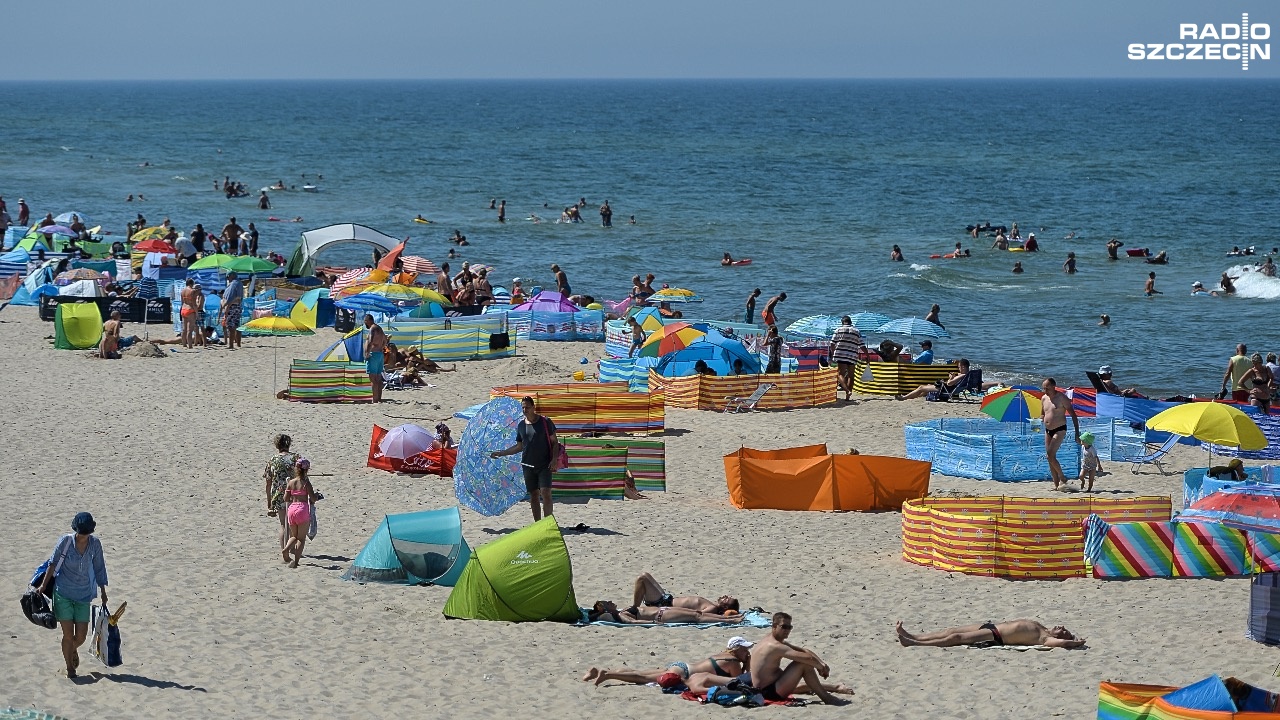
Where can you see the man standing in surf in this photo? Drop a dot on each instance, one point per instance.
(1055, 408)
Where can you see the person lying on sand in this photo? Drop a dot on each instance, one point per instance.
(1009, 632)
(727, 665)
(643, 615)
(649, 592)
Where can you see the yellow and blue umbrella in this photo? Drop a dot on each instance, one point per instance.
(1012, 405)
(670, 338)
(674, 295)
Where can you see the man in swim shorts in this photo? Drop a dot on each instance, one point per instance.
(375, 348)
(1010, 632)
(1237, 366)
(1055, 408)
(777, 683)
(728, 664)
(232, 298)
(751, 306)
(770, 313)
(649, 592)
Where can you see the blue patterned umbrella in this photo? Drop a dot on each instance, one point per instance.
(868, 322)
(368, 303)
(915, 327)
(816, 326)
(490, 486)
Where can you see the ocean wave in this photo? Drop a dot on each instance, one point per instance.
(920, 267)
(178, 177)
(1253, 284)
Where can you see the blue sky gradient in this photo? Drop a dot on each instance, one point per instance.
(404, 39)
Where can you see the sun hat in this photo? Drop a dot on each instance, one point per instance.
(83, 523)
(1086, 438)
(1104, 370)
(737, 641)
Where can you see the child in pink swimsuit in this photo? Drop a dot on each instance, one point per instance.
(300, 495)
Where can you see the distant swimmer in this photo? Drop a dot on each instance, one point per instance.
(632, 221)
(1069, 236)
(1069, 266)
(1014, 232)
(895, 255)
(1149, 288)
(1001, 243)
(502, 211)
(419, 218)
(1017, 267)
(1228, 287)
(264, 202)
(933, 316)
(534, 219)
(493, 203)
(1031, 245)
(1197, 288)
(130, 198)
(1268, 267)
(1113, 247)
(1104, 320)
(727, 259)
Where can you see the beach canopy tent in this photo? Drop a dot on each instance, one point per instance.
(314, 309)
(412, 548)
(718, 357)
(313, 241)
(77, 326)
(1210, 699)
(808, 478)
(522, 577)
(26, 294)
(81, 288)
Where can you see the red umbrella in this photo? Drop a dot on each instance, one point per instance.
(155, 245)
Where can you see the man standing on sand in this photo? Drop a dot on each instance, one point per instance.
(770, 312)
(375, 355)
(534, 436)
(1010, 632)
(846, 342)
(444, 283)
(1055, 408)
(777, 683)
(230, 311)
(231, 236)
(1237, 366)
(751, 306)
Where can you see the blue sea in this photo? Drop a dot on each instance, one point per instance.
(813, 180)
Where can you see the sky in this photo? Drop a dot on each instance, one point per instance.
(559, 39)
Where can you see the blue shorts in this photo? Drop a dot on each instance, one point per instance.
(374, 364)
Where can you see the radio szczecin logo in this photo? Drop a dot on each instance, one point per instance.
(1225, 41)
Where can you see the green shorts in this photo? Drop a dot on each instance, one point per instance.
(65, 610)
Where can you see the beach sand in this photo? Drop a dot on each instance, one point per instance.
(168, 456)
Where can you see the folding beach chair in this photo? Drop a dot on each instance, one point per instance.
(393, 380)
(1096, 380)
(969, 388)
(1155, 455)
(749, 402)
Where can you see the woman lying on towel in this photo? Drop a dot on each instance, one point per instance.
(646, 615)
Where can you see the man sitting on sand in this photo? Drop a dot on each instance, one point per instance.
(1010, 632)
(649, 592)
(666, 615)
(776, 682)
(729, 664)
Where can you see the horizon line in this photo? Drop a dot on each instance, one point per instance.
(789, 78)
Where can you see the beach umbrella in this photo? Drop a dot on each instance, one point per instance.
(1247, 507)
(248, 264)
(151, 233)
(57, 230)
(1011, 405)
(211, 261)
(358, 276)
(868, 322)
(71, 276)
(670, 338)
(368, 303)
(405, 441)
(1210, 422)
(275, 327)
(426, 310)
(155, 245)
(490, 486)
(649, 318)
(431, 296)
(816, 326)
(548, 301)
(915, 327)
(66, 219)
(390, 291)
(417, 264)
(674, 295)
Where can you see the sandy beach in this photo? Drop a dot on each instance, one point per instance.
(168, 456)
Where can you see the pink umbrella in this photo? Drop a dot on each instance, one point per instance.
(405, 441)
(548, 301)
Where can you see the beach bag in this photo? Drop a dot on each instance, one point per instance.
(37, 578)
(499, 341)
(36, 608)
(559, 456)
(104, 640)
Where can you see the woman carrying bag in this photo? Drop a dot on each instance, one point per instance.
(76, 567)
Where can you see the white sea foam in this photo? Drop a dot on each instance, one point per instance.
(1253, 284)
(919, 267)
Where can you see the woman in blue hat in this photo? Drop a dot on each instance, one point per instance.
(76, 567)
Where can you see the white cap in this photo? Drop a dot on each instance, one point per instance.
(515, 280)
(1104, 370)
(1197, 284)
(737, 641)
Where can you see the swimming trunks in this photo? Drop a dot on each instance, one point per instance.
(1055, 431)
(665, 601)
(770, 692)
(991, 626)
(684, 667)
(374, 364)
(769, 317)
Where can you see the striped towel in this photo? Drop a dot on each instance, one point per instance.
(1095, 536)
(420, 265)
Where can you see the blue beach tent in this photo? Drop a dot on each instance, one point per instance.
(414, 548)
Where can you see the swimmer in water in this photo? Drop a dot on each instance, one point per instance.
(1149, 288)
(1228, 288)
(1017, 267)
(632, 221)
(1069, 266)
(1104, 320)
(1113, 246)
(421, 219)
(727, 259)
(895, 255)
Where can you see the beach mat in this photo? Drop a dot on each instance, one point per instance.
(751, 619)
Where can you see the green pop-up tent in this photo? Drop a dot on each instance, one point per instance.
(523, 577)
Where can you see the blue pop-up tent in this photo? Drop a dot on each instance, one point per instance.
(413, 548)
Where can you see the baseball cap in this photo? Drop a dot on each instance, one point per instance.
(737, 641)
(1104, 370)
(1197, 284)
(515, 280)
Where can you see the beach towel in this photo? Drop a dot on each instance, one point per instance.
(750, 619)
(728, 698)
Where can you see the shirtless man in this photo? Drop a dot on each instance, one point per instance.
(751, 306)
(647, 615)
(231, 236)
(562, 281)
(110, 337)
(375, 355)
(728, 665)
(1010, 632)
(769, 315)
(649, 592)
(1149, 288)
(190, 314)
(444, 283)
(1113, 246)
(1056, 406)
(776, 682)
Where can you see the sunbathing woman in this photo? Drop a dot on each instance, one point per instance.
(645, 615)
(418, 361)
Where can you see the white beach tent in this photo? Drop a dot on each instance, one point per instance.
(313, 241)
(81, 288)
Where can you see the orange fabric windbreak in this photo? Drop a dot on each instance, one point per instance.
(801, 479)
